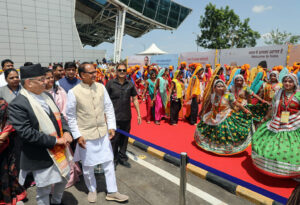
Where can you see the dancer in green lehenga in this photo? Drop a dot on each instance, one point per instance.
(243, 95)
(276, 143)
(222, 130)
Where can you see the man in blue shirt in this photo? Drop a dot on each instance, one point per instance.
(70, 80)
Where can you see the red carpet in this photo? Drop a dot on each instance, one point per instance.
(179, 138)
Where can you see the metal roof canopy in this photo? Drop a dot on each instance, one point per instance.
(142, 16)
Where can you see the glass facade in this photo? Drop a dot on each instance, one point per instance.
(164, 11)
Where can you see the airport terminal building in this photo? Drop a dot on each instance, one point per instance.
(47, 31)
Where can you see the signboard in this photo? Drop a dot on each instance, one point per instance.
(294, 55)
(165, 60)
(274, 55)
(207, 57)
(137, 60)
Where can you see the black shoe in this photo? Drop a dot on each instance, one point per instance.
(116, 164)
(125, 163)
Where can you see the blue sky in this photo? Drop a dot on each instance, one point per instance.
(264, 15)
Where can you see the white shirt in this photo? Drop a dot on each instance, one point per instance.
(71, 113)
(2, 80)
(97, 151)
(41, 101)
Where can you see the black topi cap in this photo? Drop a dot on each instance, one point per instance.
(31, 71)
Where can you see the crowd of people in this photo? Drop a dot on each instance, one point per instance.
(54, 117)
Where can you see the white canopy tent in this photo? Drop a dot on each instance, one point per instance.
(152, 50)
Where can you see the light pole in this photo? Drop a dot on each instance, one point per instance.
(144, 46)
(196, 40)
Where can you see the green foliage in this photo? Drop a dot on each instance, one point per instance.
(222, 28)
(279, 38)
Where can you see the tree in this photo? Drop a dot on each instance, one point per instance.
(222, 28)
(279, 38)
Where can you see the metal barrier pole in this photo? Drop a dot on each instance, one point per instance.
(182, 188)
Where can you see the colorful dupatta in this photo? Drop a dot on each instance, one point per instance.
(60, 154)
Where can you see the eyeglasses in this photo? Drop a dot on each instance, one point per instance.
(93, 72)
(122, 70)
(38, 79)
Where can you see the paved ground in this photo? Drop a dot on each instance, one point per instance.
(145, 186)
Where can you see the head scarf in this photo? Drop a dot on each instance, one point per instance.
(276, 73)
(196, 87)
(183, 63)
(208, 91)
(162, 86)
(283, 73)
(278, 94)
(152, 72)
(179, 91)
(214, 86)
(257, 83)
(258, 78)
(176, 73)
(219, 81)
(232, 77)
(236, 77)
(161, 72)
(246, 68)
(293, 77)
(258, 86)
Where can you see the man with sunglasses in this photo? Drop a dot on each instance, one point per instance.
(92, 121)
(121, 91)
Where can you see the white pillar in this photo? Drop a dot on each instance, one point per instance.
(119, 32)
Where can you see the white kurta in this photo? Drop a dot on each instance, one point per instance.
(42, 177)
(97, 151)
(2, 80)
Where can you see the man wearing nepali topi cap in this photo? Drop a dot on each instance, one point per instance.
(44, 134)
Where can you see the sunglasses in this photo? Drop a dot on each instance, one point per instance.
(122, 70)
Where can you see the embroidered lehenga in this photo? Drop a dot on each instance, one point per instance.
(223, 130)
(276, 144)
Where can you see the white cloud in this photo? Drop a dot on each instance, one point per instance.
(260, 8)
(266, 35)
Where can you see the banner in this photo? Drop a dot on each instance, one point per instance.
(165, 60)
(207, 57)
(274, 55)
(294, 55)
(138, 60)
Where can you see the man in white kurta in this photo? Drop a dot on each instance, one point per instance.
(92, 122)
